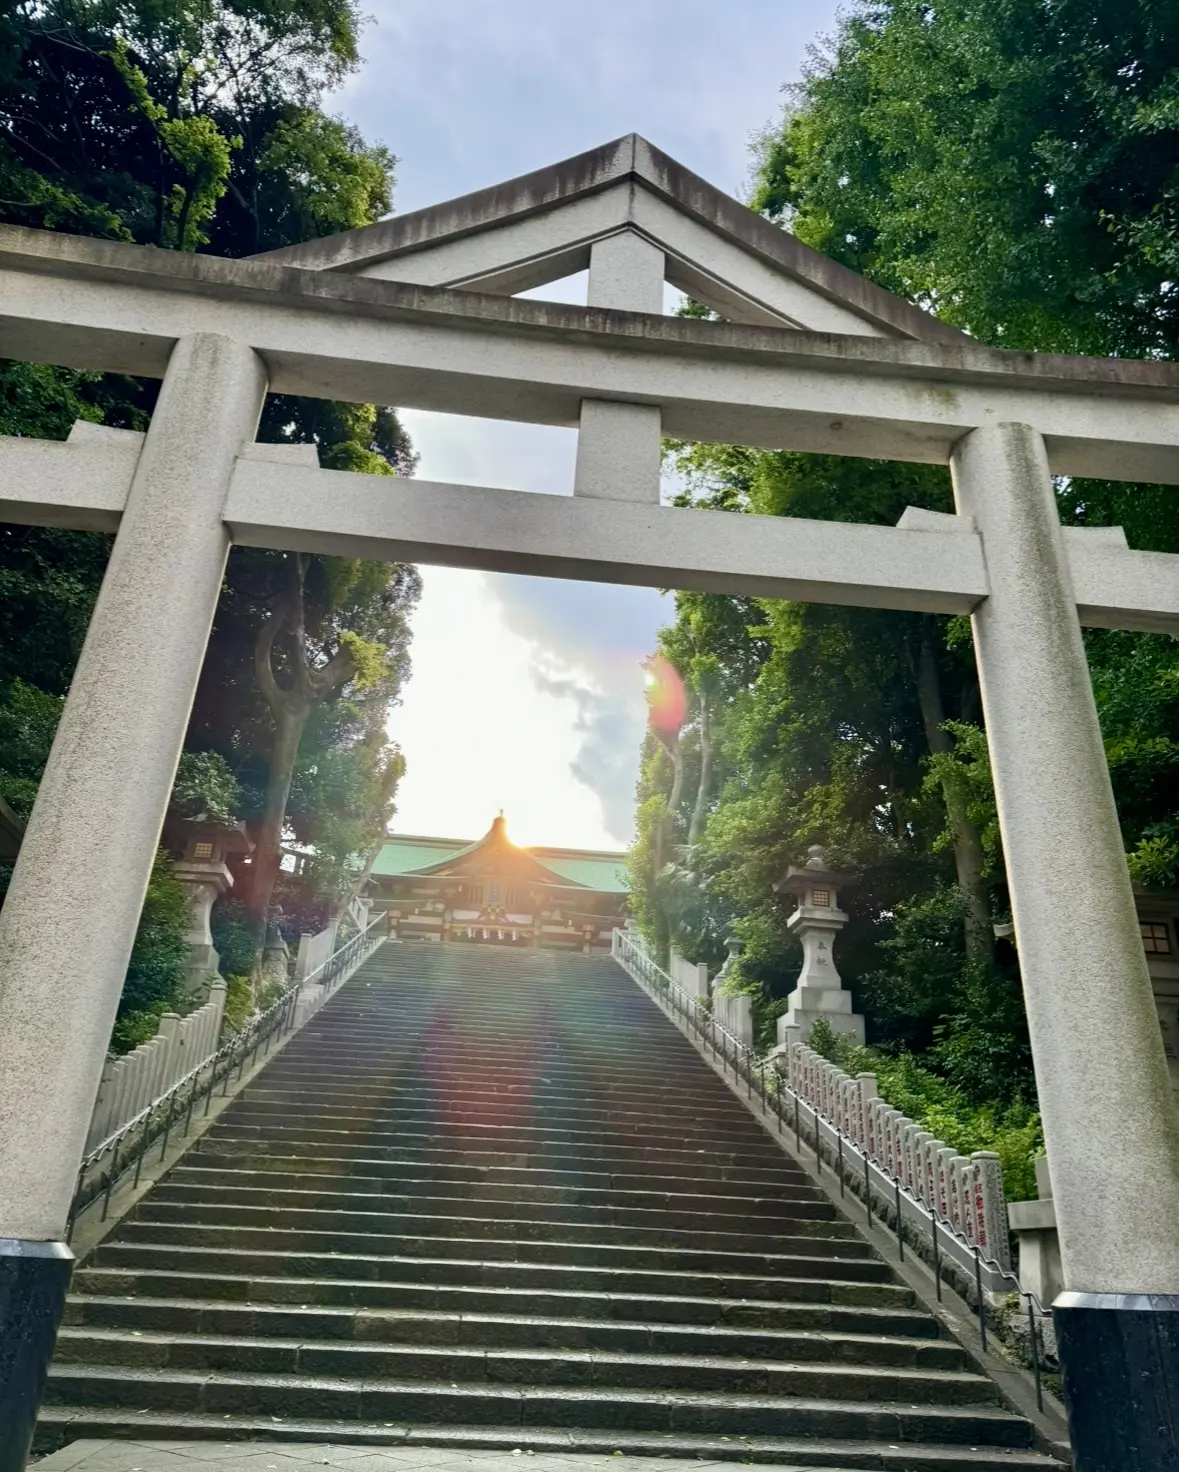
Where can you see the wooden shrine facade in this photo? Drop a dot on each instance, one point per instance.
(492, 892)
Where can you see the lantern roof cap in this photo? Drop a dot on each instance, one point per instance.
(797, 880)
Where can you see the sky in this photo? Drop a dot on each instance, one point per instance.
(527, 693)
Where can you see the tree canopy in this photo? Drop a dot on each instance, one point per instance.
(201, 127)
(1014, 168)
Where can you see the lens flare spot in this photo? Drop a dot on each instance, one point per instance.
(667, 700)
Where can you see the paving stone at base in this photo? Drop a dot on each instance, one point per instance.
(192, 1456)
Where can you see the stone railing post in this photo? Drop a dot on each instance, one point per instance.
(171, 1065)
(989, 1206)
(218, 993)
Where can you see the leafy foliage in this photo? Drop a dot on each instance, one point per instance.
(239, 995)
(1012, 168)
(205, 787)
(201, 127)
(28, 723)
(233, 938)
(158, 962)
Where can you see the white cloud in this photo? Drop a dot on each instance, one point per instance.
(481, 733)
(468, 93)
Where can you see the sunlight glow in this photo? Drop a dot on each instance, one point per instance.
(478, 732)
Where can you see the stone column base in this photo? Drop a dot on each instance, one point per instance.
(1119, 1357)
(34, 1278)
(846, 1024)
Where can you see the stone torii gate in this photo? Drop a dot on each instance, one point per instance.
(417, 311)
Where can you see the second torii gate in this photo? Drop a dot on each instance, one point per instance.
(417, 312)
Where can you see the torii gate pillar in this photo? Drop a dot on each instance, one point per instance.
(1091, 1013)
(71, 912)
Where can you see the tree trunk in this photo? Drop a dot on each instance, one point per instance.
(289, 720)
(290, 710)
(675, 796)
(705, 774)
(968, 852)
(661, 841)
(340, 907)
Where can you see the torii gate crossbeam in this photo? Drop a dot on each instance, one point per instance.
(221, 333)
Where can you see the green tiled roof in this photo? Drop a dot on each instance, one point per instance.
(409, 853)
(404, 855)
(604, 872)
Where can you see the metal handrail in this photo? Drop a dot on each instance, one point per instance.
(628, 951)
(108, 1162)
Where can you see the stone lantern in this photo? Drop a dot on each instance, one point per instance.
(732, 955)
(816, 921)
(204, 844)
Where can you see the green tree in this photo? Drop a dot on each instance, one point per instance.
(202, 128)
(156, 971)
(336, 631)
(1012, 168)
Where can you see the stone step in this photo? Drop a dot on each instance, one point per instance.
(507, 1099)
(545, 1276)
(405, 1105)
(468, 1078)
(705, 1153)
(782, 1452)
(802, 1331)
(531, 1366)
(497, 1201)
(606, 1407)
(464, 1298)
(477, 1167)
(492, 1102)
(582, 1254)
(475, 1151)
(259, 1207)
(525, 1367)
(528, 1040)
(429, 1198)
(531, 1218)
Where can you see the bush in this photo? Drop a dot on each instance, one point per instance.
(239, 1003)
(159, 962)
(233, 937)
(28, 723)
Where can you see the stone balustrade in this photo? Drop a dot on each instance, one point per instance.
(963, 1192)
(689, 976)
(314, 952)
(735, 1015)
(130, 1083)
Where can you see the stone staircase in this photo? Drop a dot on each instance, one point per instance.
(494, 1199)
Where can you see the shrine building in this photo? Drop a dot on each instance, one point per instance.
(492, 892)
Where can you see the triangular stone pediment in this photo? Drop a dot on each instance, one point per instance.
(531, 231)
